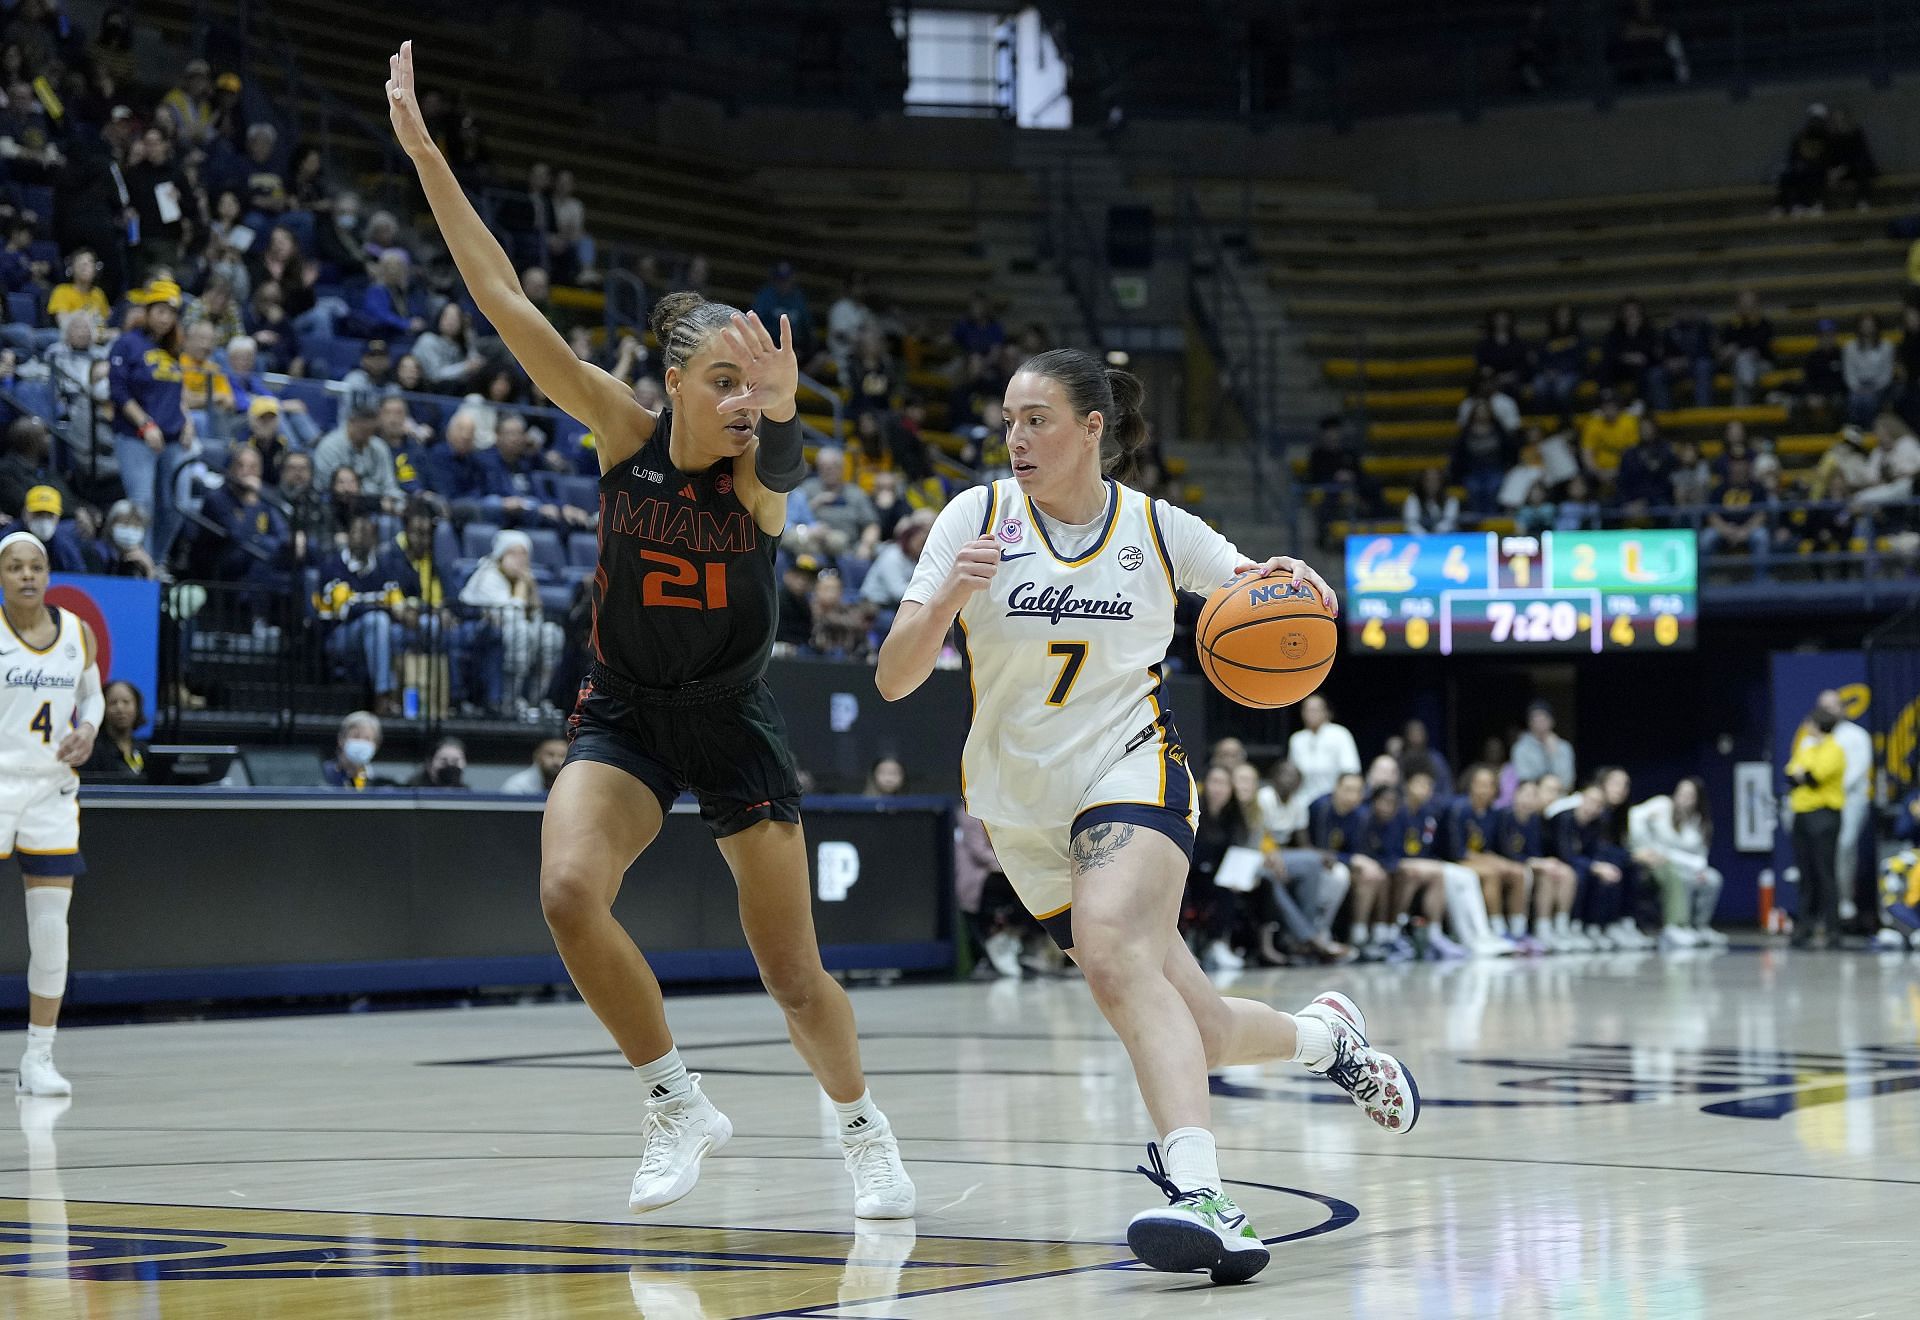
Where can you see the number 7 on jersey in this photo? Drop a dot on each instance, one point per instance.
(1075, 655)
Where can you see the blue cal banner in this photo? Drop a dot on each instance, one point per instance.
(125, 616)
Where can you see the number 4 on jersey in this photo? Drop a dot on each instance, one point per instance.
(42, 723)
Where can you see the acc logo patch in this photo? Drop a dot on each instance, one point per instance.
(1131, 557)
(1010, 530)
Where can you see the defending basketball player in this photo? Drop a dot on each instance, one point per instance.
(693, 502)
(50, 708)
(1062, 582)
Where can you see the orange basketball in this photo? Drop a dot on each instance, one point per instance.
(1266, 641)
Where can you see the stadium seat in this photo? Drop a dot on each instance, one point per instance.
(556, 598)
(446, 545)
(476, 539)
(583, 550)
(36, 396)
(23, 308)
(579, 492)
(331, 357)
(549, 556)
(573, 574)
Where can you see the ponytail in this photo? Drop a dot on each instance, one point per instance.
(682, 322)
(1116, 395)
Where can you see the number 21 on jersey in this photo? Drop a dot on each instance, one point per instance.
(1075, 655)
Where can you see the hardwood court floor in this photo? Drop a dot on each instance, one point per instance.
(1733, 1135)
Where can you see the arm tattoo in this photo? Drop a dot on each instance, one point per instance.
(1099, 844)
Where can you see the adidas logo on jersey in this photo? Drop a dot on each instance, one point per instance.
(686, 491)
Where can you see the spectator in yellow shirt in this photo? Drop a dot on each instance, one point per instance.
(79, 293)
(1817, 772)
(1608, 432)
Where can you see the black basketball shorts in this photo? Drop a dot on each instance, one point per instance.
(728, 746)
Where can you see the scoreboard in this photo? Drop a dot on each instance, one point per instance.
(1552, 591)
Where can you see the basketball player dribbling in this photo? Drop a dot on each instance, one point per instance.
(692, 504)
(51, 705)
(1062, 582)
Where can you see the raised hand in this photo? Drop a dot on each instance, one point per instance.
(409, 125)
(769, 372)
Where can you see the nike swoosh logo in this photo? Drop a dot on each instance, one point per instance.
(69, 790)
(1004, 556)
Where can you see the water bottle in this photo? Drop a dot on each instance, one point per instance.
(133, 229)
(410, 702)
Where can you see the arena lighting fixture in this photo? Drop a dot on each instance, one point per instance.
(1118, 357)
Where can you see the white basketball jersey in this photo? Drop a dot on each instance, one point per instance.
(1064, 654)
(37, 691)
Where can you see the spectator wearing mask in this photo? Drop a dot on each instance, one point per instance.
(1670, 835)
(795, 627)
(782, 296)
(118, 756)
(354, 444)
(536, 780)
(66, 552)
(1321, 750)
(363, 596)
(122, 551)
(444, 768)
(81, 295)
(841, 509)
(355, 747)
(153, 435)
(1431, 509)
(504, 590)
(1867, 363)
(1561, 361)
(1540, 750)
(1817, 774)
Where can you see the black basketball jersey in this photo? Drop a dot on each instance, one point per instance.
(685, 591)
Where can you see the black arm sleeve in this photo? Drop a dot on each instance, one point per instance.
(779, 462)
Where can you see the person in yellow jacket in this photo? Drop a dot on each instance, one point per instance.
(1817, 771)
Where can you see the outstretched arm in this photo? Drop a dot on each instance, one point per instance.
(620, 425)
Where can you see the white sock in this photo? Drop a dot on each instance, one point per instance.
(1190, 1159)
(40, 1040)
(1498, 922)
(1382, 933)
(665, 1078)
(1564, 923)
(1314, 1050)
(859, 1118)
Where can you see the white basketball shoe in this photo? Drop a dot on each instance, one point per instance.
(38, 1076)
(1377, 1082)
(881, 1188)
(679, 1135)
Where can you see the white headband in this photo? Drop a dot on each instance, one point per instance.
(26, 538)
